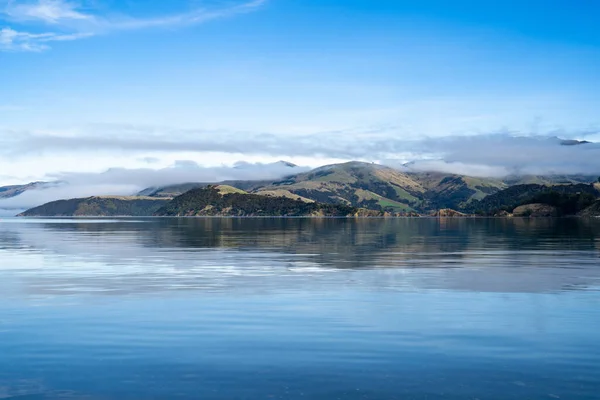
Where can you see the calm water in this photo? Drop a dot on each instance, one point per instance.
(299, 309)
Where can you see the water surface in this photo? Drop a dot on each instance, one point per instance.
(225, 308)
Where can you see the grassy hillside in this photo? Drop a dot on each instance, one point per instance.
(366, 185)
(454, 191)
(215, 201)
(357, 184)
(101, 206)
(380, 188)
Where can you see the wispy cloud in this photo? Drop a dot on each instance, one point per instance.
(48, 11)
(189, 18)
(71, 23)
(11, 40)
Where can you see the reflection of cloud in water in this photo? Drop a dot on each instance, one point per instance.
(256, 255)
(21, 388)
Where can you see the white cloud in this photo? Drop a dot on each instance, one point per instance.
(42, 154)
(458, 168)
(493, 154)
(181, 171)
(36, 197)
(75, 24)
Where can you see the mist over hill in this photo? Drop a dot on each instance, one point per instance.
(363, 185)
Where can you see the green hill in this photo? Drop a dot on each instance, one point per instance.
(357, 184)
(568, 199)
(227, 201)
(100, 206)
(454, 191)
(376, 187)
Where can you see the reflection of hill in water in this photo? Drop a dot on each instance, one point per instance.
(328, 235)
(467, 254)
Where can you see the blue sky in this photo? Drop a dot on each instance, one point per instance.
(105, 76)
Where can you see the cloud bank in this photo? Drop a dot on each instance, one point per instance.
(502, 155)
(483, 155)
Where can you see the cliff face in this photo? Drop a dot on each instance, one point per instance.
(448, 212)
(591, 211)
(535, 210)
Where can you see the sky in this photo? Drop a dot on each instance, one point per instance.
(194, 86)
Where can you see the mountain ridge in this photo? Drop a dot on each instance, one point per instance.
(223, 200)
(379, 187)
(366, 186)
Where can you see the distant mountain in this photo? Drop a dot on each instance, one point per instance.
(222, 200)
(100, 206)
(548, 179)
(572, 142)
(171, 190)
(15, 190)
(178, 189)
(280, 163)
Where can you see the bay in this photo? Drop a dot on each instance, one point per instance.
(293, 308)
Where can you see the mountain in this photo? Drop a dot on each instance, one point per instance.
(99, 206)
(170, 190)
(365, 185)
(357, 184)
(222, 200)
(15, 190)
(373, 186)
(378, 187)
(548, 179)
(572, 142)
(568, 199)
